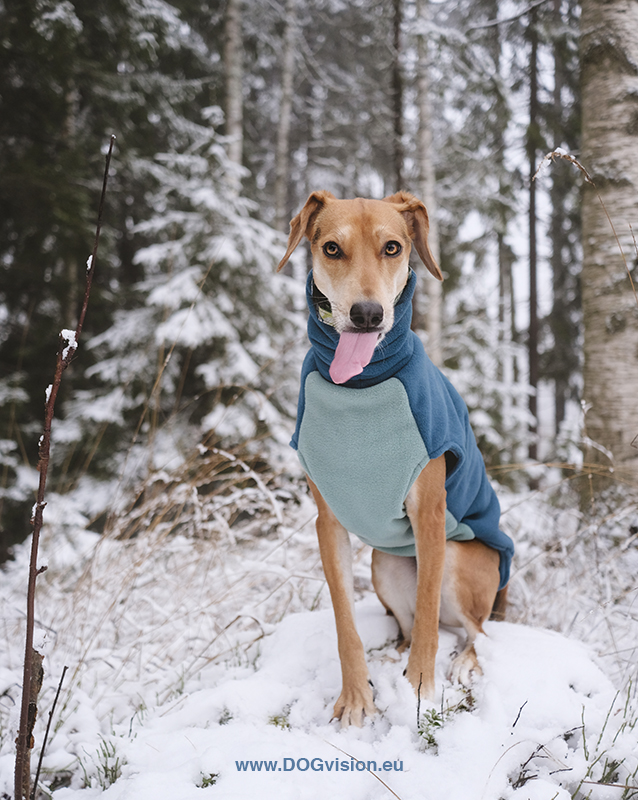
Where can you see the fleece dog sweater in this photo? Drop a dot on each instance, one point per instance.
(365, 442)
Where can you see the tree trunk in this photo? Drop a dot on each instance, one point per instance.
(282, 172)
(428, 318)
(532, 142)
(506, 363)
(233, 65)
(72, 297)
(563, 360)
(397, 95)
(609, 58)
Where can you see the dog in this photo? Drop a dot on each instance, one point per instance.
(386, 444)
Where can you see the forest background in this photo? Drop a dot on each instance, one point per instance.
(227, 115)
(174, 418)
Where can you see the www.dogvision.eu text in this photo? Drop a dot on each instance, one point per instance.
(318, 765)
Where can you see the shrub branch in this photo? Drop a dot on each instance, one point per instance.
(66, 351)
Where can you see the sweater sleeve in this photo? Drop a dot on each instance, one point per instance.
(444, 424)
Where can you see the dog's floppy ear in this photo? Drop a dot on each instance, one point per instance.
(302, 224)
(416, 215)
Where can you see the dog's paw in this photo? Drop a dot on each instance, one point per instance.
(422, 681)
(465, 668)
(354, 703)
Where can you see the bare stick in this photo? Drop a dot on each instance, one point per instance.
(518, 716)
(66, 351)
(46, 733)
(358, 760)
(568, 157)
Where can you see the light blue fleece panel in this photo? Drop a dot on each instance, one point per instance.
(363, 448)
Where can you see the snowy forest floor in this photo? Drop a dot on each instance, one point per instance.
(206, 664)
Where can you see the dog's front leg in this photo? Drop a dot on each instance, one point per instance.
(336, 556)
(425, 506)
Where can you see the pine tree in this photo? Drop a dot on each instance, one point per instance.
(205, 348)
(71, 74)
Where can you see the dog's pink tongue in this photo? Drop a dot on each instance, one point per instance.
(353, 354)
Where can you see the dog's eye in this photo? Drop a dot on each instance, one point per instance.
(331, 249)
(393, 249)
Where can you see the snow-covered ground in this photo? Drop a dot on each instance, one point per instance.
(209, 668)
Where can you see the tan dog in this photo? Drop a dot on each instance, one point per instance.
(360, 251)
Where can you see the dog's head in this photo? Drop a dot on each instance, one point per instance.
(360, 252)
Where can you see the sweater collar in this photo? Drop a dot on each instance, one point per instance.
(391, 354)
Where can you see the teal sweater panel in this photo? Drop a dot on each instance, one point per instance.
(364, 449)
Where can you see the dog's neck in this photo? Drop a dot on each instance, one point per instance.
(391, 354)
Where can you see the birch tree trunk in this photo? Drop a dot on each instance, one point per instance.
(430, 317)
(397, 94)
(233, 65)
(282, 171)
(609, 58)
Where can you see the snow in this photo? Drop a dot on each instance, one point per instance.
(224, 420)
(69, 337)
(189, 655)
(298, 673)
(61, 15)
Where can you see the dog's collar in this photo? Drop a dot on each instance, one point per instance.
(324, 309)
(322, 305)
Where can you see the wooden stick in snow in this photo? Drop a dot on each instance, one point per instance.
(66, 351)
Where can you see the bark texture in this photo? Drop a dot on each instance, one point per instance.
(533, 137)
(233, 64)
(397, 94)
(282, 171)
(609, 57)
(430, 317)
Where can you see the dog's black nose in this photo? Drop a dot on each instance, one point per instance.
(366, 315)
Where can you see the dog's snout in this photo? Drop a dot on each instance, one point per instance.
(366, 315)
